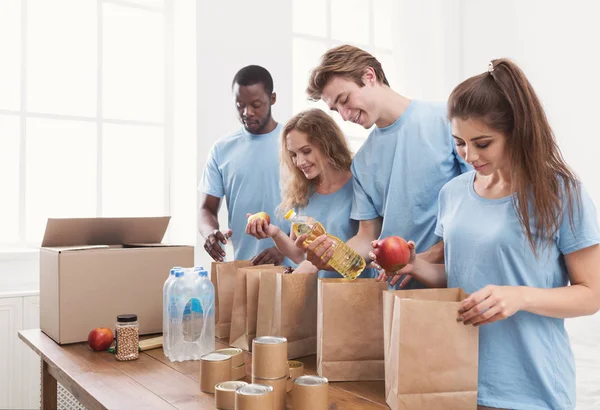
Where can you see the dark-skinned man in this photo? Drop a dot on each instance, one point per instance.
(244, 168)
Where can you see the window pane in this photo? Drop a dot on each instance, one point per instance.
(382, 24)
(133, 171)
(310, 17)
(61, 56)
(10, 54)
(61, 172)
(133, 64)
(306, 56)
(350, 21)
(9, 183)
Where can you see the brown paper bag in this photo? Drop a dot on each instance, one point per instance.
(287, 307)
(222, 275)
(350, 329)
(431, 360)
(245, 304)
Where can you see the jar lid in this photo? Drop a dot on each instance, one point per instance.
(127, 318)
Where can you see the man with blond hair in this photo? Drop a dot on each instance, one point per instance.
(400, 169)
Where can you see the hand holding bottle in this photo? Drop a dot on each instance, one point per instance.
(318, 252)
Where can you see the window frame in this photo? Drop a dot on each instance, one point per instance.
(330, 42)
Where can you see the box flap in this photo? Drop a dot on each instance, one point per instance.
(104, 231)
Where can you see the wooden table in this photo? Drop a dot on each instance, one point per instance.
(98, 381)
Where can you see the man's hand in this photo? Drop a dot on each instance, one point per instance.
(269, 255)
(213, 242)
(319, 252)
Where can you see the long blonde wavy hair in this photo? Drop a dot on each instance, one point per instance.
(326, 135)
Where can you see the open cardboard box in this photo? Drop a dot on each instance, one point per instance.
(93, 269)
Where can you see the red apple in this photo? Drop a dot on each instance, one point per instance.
(392, 253)
(100, 338)
(260, 215)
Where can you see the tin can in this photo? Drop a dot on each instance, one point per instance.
(310, 393)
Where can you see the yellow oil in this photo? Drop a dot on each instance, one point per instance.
(344, 260)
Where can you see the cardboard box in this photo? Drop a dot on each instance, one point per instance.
(93, 269)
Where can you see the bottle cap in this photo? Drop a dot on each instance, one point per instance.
(290, 214)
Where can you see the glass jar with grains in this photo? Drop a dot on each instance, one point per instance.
(127, 337)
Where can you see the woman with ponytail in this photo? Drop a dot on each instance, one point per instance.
(521, 237)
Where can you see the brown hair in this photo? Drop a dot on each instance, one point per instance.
(504, 99)
(345, 61)
(322, 131)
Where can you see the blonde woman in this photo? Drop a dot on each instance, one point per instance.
(316, 181)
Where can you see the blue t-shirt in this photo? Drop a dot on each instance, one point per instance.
(399, 171)
(333, 211)
(525, 361)
(244, 168)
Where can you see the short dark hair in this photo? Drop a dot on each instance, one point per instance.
(254, 74)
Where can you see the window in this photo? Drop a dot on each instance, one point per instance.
(322, 24)
(85, 113)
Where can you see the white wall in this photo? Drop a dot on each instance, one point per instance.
(231, 35)
(426, 48)
(556, 44)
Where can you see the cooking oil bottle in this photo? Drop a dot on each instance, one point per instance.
(344, 260)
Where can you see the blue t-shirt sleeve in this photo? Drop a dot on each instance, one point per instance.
(439, 225)
(362, 206)
(584, 231)
(212, 179)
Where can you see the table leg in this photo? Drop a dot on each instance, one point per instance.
(49, 393)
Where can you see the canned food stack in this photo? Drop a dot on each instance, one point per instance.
(310, 393)
(214, 368)
(270, 367)
(238, 365)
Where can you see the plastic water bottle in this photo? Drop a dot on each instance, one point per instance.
(204, 316)
(176, 295)
(169, 280)
(190, 322)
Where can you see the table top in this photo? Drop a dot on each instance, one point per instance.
(99, 381)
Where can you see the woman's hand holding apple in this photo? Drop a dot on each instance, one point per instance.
(395, 257)
(259, 226)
